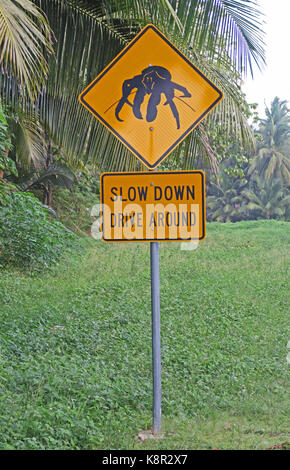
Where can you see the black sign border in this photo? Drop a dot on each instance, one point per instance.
(110, 240)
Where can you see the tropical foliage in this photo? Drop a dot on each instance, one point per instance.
(7, 165)
(232, 200)
(49, 140)
(260, 187)
(226, 202)
(273, 157)
(89, 33)
(27, 237)
(266, 200)
(5, 145)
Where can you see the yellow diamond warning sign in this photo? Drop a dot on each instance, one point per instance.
(151, 96)
(153, 206)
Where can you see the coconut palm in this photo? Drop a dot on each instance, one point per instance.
(267, 199)
(273, 157)
(226, 202)
(222, 37)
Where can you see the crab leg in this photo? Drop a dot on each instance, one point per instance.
(170, 95)
(138, 100)
(127, 87)
(185, 92)
(153, 102)
(120, 106)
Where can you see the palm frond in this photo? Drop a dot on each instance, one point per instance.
(217, 28)
(24, 33)
(28, 140)
(57, 175)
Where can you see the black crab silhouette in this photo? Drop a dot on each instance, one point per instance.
(154, 80)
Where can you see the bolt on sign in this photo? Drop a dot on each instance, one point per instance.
(159, 206)
(151, 96)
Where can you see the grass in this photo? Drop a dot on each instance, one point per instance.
(75, 350)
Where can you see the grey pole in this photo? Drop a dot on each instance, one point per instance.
(156, 354)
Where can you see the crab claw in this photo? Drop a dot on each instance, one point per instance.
(127, 87)
(185, 92)
(186, 95)
(118, 109)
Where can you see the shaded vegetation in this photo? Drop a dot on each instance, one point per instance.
(28, 239)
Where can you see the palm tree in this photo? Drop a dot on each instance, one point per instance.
(226, 203)
(222, 37)
(267, 200)
(273, 157)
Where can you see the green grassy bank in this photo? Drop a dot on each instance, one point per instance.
(75, 345)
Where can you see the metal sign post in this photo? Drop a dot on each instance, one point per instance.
(156, 350)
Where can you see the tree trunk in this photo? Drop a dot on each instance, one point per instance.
(49, 195)
(44, 196)
(47, 191)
